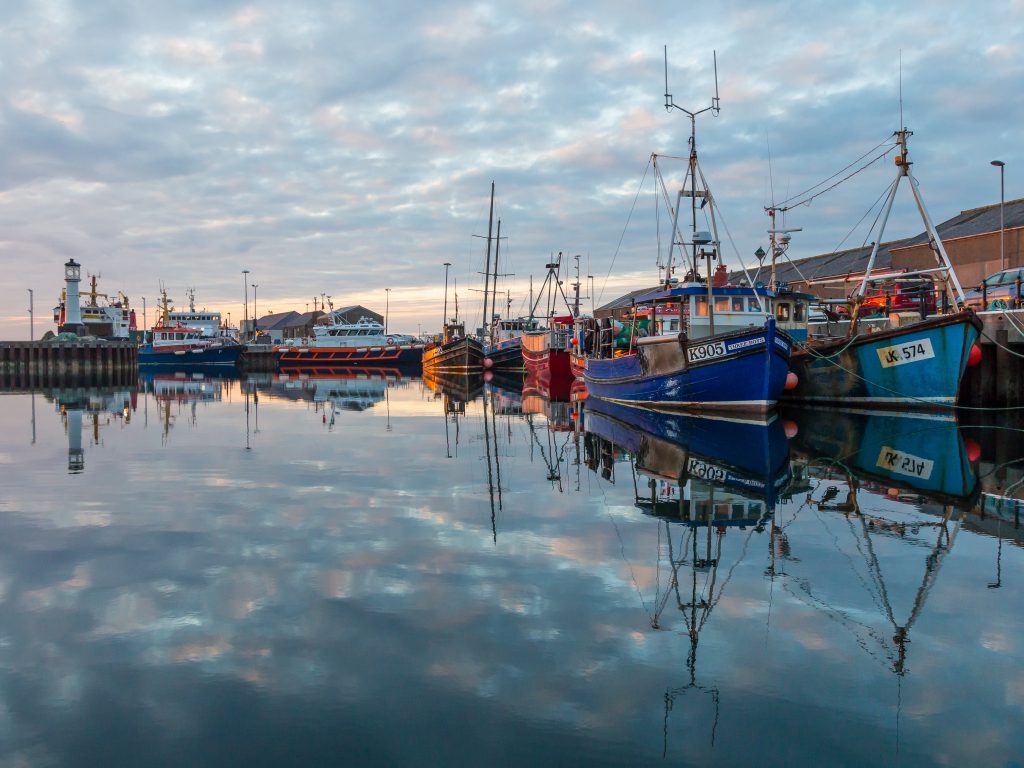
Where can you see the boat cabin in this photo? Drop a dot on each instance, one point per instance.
(688, 309)
(176, 335)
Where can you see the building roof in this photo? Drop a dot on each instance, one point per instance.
(276, 321)
(976, 221)
(306, 318)
(624, 301)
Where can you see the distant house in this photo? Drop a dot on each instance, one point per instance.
(300, 326)
(275, 324)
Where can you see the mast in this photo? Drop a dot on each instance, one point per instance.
(576, 287)
(953, 289)
(693, 170)
(487, 269)
(494, 282)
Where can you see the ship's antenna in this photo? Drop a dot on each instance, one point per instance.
(901, 88)
(694, 176)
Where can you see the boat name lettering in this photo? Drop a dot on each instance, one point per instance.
(781, 343)
(746, 343)
(699, 352)
(904, 463)
(908, 352)
(705, 471)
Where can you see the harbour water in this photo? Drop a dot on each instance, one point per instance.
(370, 571)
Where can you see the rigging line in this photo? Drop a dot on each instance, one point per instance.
(841, 617)
(623, 235)
(728, 576)
(1001, 346)
(808, 201)
(728, 234)
(884, 141)
(853, 568)
(885, 193)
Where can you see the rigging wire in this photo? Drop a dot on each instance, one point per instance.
(623, 235)
(788, 203)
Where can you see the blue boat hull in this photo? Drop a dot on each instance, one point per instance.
(743, 371)
(916, 366)
(750, 457)
(204, 356)
(922, 452)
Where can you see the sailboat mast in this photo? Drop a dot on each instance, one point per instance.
(487, 269)
(494, 282)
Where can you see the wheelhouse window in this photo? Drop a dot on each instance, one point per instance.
(782, 312)
(722, 304)
(798, 312)
(737, 304)
(752, 305)
(701, 306)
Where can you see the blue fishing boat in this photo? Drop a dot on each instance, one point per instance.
(917, 366)
(744, 371)
(912, 363)
(702, 344)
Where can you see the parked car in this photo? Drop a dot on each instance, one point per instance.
(911, 294)
(998, 291)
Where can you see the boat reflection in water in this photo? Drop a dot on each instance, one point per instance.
(892, 491)
(456, 389)
(700, 478)
(343, 389)
(745, 457)
(924, 453)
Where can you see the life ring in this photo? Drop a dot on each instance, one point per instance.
(391, 341)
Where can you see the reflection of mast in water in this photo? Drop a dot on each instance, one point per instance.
(554, 456)
(491, 429)
(863, 527)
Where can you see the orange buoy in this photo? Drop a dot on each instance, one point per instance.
(974, 356)
(488, 375)
(790, 428)
(488, 362)
(791, 381)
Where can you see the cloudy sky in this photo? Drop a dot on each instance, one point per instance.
(345, 147)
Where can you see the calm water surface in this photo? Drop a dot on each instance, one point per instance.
(375, 572)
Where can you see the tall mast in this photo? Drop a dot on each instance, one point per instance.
(692, 173)
(576, 286)
(487, 269)
(494, 282)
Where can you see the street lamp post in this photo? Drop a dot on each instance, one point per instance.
(255, 314)
(387, 301)
(31, 317)
(245, 315)
(1002, 202)
(444, 320)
